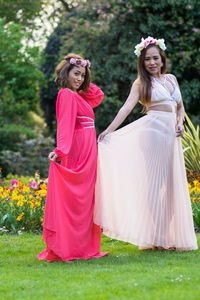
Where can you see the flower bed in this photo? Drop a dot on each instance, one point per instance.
(22, 205)
(194, 189)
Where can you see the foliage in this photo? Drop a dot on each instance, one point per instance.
(23, 11)
(106, 33)
(31, 156)
(22, 201)
(191, 144)
(24, 179)
(10, 136)
(194, 189)
(22, 206)
(48, 93)
(19, 76)
(19, 93)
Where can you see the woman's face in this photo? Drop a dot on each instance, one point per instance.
(76, 77)
(153, 62)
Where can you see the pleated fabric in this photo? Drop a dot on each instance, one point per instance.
(141, 193)
(69, 231)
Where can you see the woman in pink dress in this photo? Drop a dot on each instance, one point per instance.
(142, 195)
(68, 230)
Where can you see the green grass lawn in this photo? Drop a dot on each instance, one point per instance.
(126, 273)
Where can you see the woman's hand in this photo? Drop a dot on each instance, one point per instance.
(179, 130)
(52, 156)
(102, 135)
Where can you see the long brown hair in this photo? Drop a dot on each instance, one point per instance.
(63, 69)
(145, 77)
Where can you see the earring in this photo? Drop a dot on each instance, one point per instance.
(161, 64)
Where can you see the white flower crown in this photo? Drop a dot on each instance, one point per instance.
(146, 42)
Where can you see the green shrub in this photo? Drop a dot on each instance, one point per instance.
(20, 75)
(32, 156)
(11, 135)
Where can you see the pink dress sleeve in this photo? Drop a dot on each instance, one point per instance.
(66, 111)
(93, 96)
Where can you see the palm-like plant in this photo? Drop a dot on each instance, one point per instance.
(191, 146)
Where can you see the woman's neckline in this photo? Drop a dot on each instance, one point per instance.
(71, 91)
(161, 79)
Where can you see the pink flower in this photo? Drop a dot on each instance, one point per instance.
(14, 183)
(33, 185)
(10, 188)
(72, 61)
(195, 29)
(88, 63)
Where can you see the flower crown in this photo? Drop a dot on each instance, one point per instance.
(146, 42)
(80, 62)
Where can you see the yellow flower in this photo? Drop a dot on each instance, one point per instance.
(32, 204)
(42, 193)
(37, 203)
(26, 189)
(37, 175)
(20, 216)
(43, 187)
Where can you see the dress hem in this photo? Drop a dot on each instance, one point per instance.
(49, 256)
(142, 246)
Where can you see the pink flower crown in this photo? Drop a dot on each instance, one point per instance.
(80, 62)
(146, 42)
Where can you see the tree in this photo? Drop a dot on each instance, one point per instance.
(106, 32)
(22, 12)
(19, 76)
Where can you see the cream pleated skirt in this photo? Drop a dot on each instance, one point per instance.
(141, 192)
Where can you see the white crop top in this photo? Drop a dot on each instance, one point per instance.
(160, 94)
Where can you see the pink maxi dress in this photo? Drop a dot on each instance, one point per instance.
(69, 231)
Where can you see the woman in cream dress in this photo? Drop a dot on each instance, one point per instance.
(141, 190)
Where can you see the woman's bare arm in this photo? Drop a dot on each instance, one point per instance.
(180, 115)
(124, 111)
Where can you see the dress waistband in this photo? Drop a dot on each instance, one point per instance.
(158, 112)
(88, 123)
